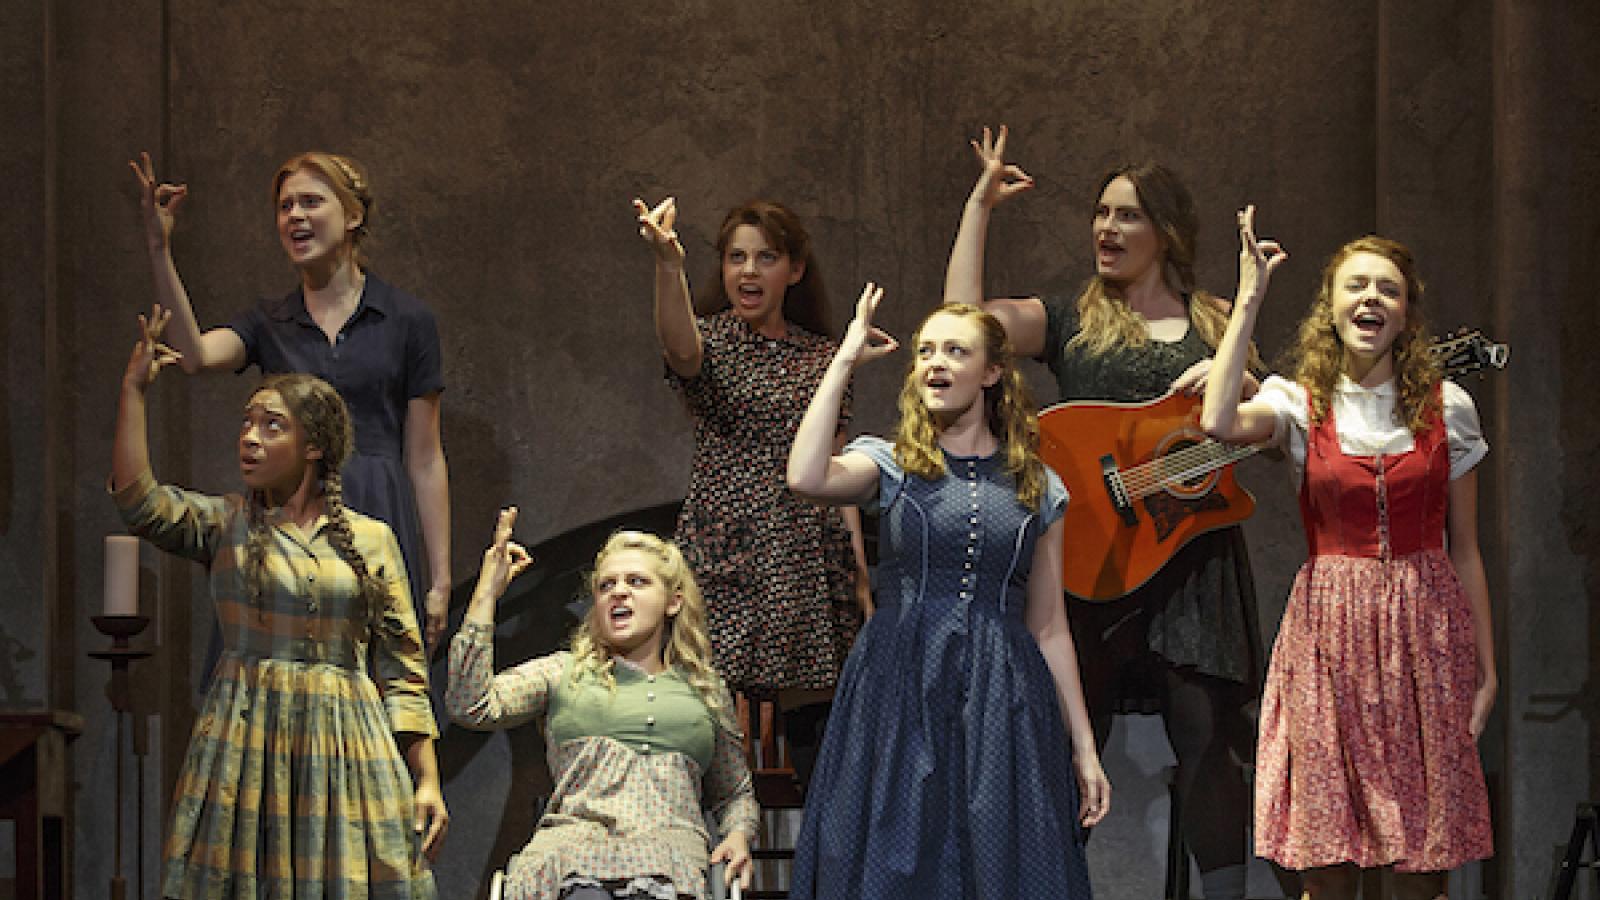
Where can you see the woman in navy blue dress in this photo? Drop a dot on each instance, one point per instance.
(377, 345)
(960, 761)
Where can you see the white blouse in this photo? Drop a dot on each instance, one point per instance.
(1365, 418)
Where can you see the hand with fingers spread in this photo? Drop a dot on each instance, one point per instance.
(159, 201)
(1258, 259)
(863, 341)
(1000, 180)
(150, 355)
(656, 227)
(503, 561)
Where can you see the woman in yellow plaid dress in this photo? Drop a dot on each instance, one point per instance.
(306, 776)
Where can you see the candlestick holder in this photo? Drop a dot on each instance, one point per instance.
(121, 654)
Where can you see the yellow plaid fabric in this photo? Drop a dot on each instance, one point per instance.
(293, 786)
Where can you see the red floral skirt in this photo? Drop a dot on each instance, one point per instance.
(1366, 754)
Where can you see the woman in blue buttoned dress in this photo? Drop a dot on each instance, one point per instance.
(948, 770)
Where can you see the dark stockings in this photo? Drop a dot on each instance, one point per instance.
(1210, 736)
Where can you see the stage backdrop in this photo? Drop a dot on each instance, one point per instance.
(505, 142)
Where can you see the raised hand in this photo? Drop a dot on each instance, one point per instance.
(150, 356)
(1000, 180)
(863, 341)
(160, 201)
(656, 227)
(504, 560)
(1258, 259)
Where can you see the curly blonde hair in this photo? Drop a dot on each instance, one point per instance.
(1105, 320)
(1317, 358)
(686, 647)
(1008, 410)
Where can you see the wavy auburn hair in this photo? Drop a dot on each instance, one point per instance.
(1007, 407)
(1317, 358)
(805, 303)
(350, 184)
(686, 646)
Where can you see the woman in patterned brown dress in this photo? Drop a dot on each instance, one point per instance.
(784, 591)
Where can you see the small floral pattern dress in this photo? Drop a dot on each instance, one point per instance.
(776, 572)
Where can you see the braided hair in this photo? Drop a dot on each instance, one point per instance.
(325, 421)
(350, 184)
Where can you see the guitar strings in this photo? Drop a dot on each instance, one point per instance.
(1147, 478)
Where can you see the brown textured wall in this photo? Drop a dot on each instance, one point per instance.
(506, 140)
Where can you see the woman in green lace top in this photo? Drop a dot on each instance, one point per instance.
(639, 729)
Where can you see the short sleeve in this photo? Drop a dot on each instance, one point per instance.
(695, 388)
(1060, 324)
(1054, 505)
(1288, 403)
(891, 478)
(1465, 432)
(424, 362)
(248, 325)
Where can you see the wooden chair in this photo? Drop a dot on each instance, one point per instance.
(777, 787)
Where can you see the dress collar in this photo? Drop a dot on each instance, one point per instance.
(1346, 386)
(291, 307)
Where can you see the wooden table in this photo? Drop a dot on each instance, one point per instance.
(33, 793)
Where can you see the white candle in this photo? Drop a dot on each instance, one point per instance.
(122, 575)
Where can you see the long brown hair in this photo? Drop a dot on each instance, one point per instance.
(1007, 407)
(1317, 358)
(1105, 321)
(805, 303)
(687, 645)
(350, 184)
(326, 424)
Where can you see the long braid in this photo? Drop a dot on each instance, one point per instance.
(256, 551)
(342, 538)
(322, 414)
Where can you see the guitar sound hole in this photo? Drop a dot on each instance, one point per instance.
(1184, 474)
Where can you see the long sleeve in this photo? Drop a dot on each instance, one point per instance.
(477, 698)
(399, 662)
(729, 789)
(181, 522)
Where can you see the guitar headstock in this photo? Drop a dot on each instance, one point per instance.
(1467, 350)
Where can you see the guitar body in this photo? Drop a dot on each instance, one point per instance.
(1140, 487)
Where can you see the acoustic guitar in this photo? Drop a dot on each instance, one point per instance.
(1145, 480)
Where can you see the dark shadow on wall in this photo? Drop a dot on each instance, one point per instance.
(1580, 450)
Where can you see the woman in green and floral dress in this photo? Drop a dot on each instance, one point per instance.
(639, 729)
